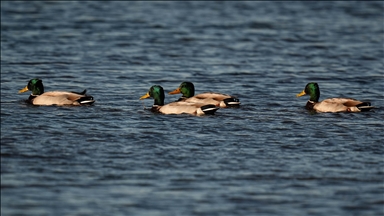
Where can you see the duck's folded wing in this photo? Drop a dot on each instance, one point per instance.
(190, 108)
(61, 98)
(344, 101)
(330, 106)
(213, 95)
(341, 105)
(203, 100)
(218, 99)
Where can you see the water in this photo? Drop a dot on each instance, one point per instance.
(269, 157)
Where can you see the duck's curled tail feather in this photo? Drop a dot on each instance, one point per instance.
(365, 106)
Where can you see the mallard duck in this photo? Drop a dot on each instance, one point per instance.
(187, 89)
(331, 104)
(39, 97)
(157, 93)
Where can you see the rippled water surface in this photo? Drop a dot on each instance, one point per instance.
(268, 157)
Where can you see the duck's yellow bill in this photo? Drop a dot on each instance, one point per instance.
(176, 91)
(24, 89)
(145, 96)
(301, 94)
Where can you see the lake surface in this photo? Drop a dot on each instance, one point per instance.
(268, 157)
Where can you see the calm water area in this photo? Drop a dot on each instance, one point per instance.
(268, 157)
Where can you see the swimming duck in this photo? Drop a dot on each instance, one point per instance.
(218, 99)
(157, 93)
(331, 104)
(39, 97)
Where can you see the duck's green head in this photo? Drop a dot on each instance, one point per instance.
(185, 88)
(311, 89)
(35, 85)
(157, 93)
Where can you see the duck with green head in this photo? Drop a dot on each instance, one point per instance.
(331, 104)
(39, 97)
(157, 93)
(187, 89)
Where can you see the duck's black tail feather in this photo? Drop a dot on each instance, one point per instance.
(80, 93)
(209, 109)
(87, 99)
(232, 102)
(365, 106)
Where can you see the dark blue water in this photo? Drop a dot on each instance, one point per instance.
(269, 157)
